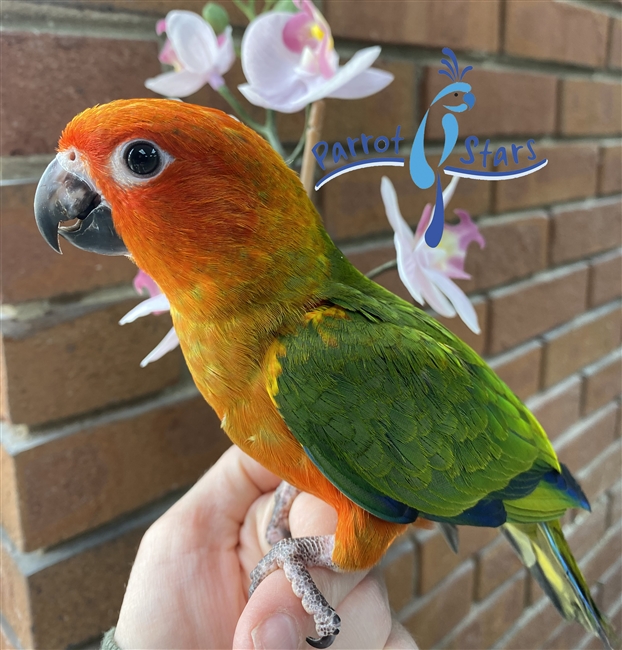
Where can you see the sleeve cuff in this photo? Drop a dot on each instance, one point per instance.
(108, 642)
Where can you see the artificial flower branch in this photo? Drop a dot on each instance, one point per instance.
(387, 266)
(313, 132)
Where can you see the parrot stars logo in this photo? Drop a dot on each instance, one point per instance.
(458, 97)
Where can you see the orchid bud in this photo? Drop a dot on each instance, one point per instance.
(286, 5)
(216, 16)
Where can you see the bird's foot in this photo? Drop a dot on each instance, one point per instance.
(278, 528)
(294, 555)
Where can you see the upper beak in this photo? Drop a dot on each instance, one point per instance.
(469, 99)
(63, 196)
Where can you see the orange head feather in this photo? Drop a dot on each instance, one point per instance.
(225, 218)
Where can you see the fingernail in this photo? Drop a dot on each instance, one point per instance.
(279, 632)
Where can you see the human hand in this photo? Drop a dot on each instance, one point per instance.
(189, 584)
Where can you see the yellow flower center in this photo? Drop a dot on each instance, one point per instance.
(317, 32)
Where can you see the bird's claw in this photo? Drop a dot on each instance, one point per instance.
(323, 641)
(294, 555)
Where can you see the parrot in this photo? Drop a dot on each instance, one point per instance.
(327, 379)
(422, 174)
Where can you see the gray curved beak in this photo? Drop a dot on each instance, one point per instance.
(62, 196)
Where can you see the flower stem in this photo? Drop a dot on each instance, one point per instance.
(301, 143)
(271, 134)
(228, 96)
(387, 266)
(247, 8)
(314, 129)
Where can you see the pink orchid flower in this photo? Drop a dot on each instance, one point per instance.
(289, 61)
(157, 303)
(197, 55)
(426, 272)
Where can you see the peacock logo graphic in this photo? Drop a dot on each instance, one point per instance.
(457, 97)
(420, 170)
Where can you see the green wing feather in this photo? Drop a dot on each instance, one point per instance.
(388, 402)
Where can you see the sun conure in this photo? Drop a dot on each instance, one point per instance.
(329, 380)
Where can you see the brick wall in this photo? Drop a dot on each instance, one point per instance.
(78, 411)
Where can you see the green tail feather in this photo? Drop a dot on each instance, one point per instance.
(545, 552)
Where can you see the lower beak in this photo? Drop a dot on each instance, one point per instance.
(62, 196)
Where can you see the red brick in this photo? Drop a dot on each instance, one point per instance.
(73, 483)
(462, 24)
(353, 208)
(588, 529)
(381, 113)
(161, 7)
(603, 382)
(520, 368)
(72, 594)
(571, 173)
(367, 258)
(583, 341)
(590, 107)
(457, 326)
(615, 503)
(605, 278)
(97, 360)
(495, 564)
(534, 625)
(556, 32)
(436, 560)
(566, 636)
(602, 472)
(53, 67)
(508, 103)
(610, 180)
(615, 47)
(489, 621)
(442, 609)
(32, 270)
(610, 586)
(558, 408)
(532, 307)
(578, 232)
(14, 599)
(399, 573)
(516, 246)
(603, 556)
(587, 439)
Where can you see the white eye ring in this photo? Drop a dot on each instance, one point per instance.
(122, 171)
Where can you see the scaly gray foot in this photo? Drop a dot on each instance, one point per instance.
(278, 528)
(294, 556)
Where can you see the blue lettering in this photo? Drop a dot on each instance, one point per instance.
(320, 156)
(515, 149)
(471, 141)
(339, 152)
(397, 139)
(365, 140)
(484, 153)
(351, 142)
(501, 155)
(381, 139)
(533, 153)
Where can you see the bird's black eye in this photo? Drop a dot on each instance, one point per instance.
(455, 94)
(142, 158)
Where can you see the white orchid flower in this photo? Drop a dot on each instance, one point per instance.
(426, 272)
(289, 61)
(157, 303)
(197, 55)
